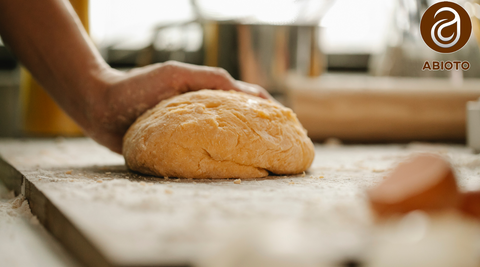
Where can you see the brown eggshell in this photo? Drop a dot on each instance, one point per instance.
(470, 204)
(425, 182)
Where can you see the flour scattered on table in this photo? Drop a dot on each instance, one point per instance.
(473, 164)
(16, 207)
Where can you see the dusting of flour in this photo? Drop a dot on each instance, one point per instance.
(23, 241)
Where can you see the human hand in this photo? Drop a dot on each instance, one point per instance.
(104, 102)
(124, 96)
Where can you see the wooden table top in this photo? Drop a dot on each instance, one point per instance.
(109, 216)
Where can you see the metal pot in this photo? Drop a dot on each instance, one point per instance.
(250, 50)
(263, 54)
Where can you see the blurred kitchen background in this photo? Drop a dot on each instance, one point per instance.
(350, 69)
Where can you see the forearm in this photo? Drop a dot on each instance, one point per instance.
(47, 37)
(56, 50)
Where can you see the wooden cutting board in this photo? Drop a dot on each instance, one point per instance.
(373, 109)
(106, 215)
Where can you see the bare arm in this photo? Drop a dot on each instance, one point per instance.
(49, 40)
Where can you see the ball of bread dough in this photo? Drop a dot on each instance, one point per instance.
(217, 134)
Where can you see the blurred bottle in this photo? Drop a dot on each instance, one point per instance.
(41, 115)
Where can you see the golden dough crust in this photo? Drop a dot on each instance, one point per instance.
(217, 134)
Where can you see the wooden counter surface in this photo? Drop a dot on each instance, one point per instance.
(365, 108)
(108, 216)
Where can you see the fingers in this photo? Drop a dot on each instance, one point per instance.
(189, 77)
(196, 78)
(247, 88)
(256, 90)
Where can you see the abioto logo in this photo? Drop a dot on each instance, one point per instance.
(445, 27)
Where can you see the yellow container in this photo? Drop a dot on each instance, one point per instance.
(41, 115)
